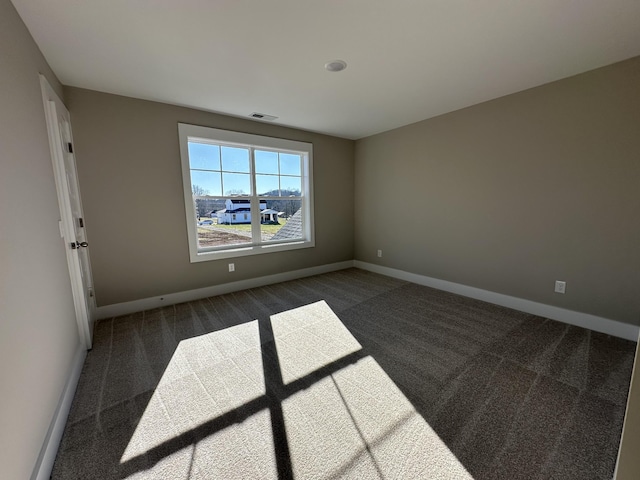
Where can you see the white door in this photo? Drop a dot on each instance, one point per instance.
(72, 227)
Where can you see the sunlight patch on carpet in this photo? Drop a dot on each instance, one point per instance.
(207, 377)
(309, 338)
(212, 416)
(367, 429)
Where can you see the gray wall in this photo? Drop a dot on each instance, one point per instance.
(515, 193)
(629, 461)
(129, 168)
(38, 332)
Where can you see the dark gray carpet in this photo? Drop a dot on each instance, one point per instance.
(346, 375)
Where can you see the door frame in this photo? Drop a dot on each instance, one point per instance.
(84, 310)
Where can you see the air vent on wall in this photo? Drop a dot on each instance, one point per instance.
(263, 116)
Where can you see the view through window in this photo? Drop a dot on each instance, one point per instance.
(245, 193)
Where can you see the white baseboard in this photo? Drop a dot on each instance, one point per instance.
(585, 320)
(125, 308)
(44, 464)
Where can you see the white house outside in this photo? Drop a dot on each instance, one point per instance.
(239, 211)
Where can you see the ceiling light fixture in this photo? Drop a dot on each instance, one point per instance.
(335, 65)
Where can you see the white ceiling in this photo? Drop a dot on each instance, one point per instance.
(407, 59)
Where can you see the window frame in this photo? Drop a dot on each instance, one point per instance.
(187, 132)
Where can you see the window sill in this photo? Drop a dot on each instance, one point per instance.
(205, 256)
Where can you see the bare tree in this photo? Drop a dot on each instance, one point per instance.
(199, 191)
(235, 192)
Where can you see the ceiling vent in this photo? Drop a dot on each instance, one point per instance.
(263, 116)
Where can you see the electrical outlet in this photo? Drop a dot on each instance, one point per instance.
(232, 267)
(560, 286)
(379, 253)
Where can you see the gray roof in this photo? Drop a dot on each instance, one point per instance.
(292, 229)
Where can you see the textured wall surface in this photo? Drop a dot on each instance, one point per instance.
(131, 180)
(513, 194)
(38, 332)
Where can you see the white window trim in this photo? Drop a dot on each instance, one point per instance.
(186, 132)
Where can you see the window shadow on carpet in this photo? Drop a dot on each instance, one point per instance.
(345, 375)
(294, 396)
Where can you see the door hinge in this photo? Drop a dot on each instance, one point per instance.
(69, 147)
(81, 222)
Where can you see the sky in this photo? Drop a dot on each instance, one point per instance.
(223, 170)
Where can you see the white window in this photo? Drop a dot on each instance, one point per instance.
(245, 194)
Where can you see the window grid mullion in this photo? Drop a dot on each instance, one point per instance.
(279, 183)
(256, 237)
(220, 164)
